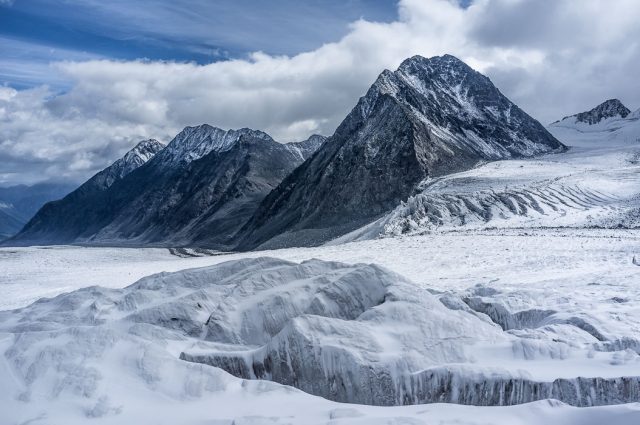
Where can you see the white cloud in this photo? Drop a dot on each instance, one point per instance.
(552, 58)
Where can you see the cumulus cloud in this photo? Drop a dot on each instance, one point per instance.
(552, 58)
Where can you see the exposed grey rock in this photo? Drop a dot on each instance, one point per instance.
(429, 118)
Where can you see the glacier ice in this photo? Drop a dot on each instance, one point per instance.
(353, 333)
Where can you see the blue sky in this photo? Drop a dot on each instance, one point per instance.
(34, 33)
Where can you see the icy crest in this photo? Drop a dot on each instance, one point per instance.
(193, 143)
(307, 147)
(139, 155)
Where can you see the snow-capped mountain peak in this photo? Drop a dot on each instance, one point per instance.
(142, 152)
(609, 109)
(193, 143)
(428, 118)
(137, 156)
(461, 106)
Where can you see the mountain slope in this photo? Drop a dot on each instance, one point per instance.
(133, 159)
(610, 121)
(203, 203)
(10, 220)
(61, 221)
(197, 191)
(308, 147)
(429, 118)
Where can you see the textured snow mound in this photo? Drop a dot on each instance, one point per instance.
(354, 333)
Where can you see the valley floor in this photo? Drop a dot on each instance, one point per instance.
(596, 261)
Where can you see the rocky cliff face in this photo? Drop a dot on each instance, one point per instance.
(429, 118)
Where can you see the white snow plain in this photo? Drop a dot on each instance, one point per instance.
(79, 359)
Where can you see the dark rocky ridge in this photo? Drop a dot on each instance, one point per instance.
(429, 118)
(197, 191)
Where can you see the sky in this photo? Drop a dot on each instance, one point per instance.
(82, 81)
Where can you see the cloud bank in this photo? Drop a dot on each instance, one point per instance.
(551, 58)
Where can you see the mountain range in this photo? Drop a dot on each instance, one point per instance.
(240, 189)
(429, 118)
(197, 190)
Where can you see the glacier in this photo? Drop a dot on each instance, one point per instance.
(356, 333)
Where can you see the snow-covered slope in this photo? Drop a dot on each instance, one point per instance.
(595, 184)
(307, 147)
(608, 110)
(609, 122)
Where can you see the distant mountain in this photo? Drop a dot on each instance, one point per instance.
(198, 190)
(10, 220)
(429, 118)
(611, 108)
(19, 203)
(608, 123)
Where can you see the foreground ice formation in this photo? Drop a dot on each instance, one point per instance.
(352, 333)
